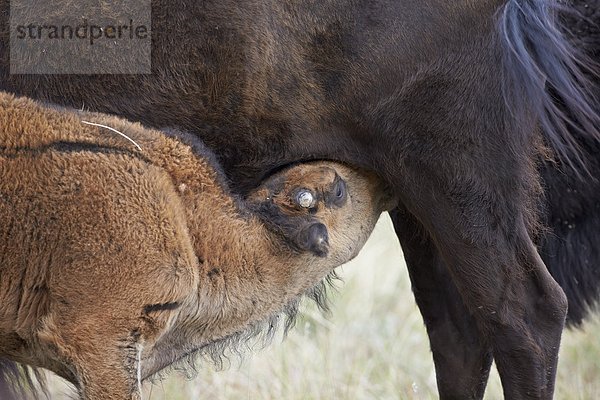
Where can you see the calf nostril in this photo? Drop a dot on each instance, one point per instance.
(315, 239)
(319, 233)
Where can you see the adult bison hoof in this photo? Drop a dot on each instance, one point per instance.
(315, 239)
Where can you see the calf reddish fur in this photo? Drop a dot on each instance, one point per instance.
(117, 262)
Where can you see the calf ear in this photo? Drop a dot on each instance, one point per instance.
(314, 238)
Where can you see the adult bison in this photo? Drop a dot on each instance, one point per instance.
(444, 100)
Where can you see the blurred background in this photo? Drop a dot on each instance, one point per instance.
(372, 346)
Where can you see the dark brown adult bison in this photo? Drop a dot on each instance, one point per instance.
(445, 101)
(118, 261)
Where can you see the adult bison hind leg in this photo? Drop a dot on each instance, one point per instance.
(461, 357)
(478, 222)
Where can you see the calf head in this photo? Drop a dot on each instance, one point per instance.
(325, 208)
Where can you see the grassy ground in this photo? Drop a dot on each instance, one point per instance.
(373, 346)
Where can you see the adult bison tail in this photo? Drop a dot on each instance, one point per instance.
(18, 382)
(547, 75)
(554, 75)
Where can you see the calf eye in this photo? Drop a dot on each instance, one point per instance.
(340, 190)
(338, 194)
(305, 198)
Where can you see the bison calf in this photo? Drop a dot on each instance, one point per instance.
(123, 250)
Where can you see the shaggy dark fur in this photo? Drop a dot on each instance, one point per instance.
(444, 100)
(540, 59)
(572, 210)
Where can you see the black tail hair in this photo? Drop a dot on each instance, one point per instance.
(18, 382)
(558, 75)
(548, 75)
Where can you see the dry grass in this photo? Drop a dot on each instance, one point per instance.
(373, 346)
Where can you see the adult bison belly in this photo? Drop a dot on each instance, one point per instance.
(219, 71)
(265, 83)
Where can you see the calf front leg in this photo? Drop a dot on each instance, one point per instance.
(112, 373)
(108, 369)
(102, 356)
